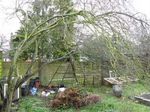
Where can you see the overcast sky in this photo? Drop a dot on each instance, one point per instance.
(10, 24)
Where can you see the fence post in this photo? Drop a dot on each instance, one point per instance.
(1, 60)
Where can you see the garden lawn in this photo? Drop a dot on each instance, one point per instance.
(109, 103)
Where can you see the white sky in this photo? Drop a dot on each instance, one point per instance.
(142, 6)
(8, 25)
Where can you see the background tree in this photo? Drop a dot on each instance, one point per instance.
(142, 48)
(110, 28)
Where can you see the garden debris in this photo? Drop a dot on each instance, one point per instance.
(24, 89)
(117, 90)
(72, 97)
(33, 91)
(119, 80)
(144, 98)
(114, 80)
(61, 88)
(45, 93)
(131, 98)
(51, 89)
(34, 86)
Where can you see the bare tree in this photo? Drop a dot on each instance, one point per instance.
(113, 24)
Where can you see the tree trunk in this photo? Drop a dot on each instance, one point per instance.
(104, 70)
(73, 67)
(7, 104)
(39, 69)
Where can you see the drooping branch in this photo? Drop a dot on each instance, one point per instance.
(33, 35)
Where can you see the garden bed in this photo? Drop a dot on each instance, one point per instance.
(119, 80)
(144, 99)
(112, 81)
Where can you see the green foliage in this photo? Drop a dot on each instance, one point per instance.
(32, 104)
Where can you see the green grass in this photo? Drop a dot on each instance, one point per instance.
(109, 103)
(32, 104)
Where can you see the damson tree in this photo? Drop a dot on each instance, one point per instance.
(108, 21)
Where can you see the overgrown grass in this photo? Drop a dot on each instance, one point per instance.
(109, 103)
(32, 104)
